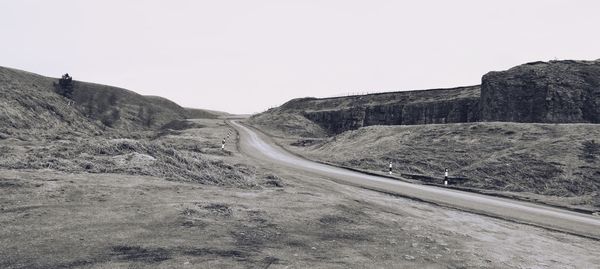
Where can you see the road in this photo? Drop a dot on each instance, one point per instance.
(259, 146)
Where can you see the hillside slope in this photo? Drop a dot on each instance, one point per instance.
(135, 111)
(29, 102)
(104, 129)
(196, 113)
(560, 160)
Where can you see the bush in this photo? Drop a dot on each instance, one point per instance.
(65, 86)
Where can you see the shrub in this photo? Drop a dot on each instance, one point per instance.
(65, 86)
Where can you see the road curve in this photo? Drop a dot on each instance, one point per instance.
(259, 146)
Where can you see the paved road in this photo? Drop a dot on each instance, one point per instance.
(259, 146)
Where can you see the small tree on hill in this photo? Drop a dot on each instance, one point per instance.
(65, 86)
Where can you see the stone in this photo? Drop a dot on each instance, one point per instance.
(539, 92)
(543, 92)
(340, 114)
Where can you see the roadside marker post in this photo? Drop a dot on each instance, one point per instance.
(390, 168)
(446, 177)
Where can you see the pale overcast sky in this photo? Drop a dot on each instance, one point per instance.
(245, 56)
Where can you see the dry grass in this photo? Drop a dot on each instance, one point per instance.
(548, 159)
(286, 125)
(54, 219)
(127, 156)
(30, 106)
(194, 113)
(172, 156)
(60, 220)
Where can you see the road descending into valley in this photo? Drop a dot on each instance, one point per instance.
(261, 147)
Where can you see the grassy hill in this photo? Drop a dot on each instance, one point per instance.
(101, 103)
(29, 102)
(196, 113)
(105, 129)
(554, 160)
(286, 124)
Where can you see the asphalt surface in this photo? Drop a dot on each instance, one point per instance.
(261, 147)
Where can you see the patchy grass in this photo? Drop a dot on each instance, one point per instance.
(54, 219)
(175, 156)
(547, 159)
(590, 150)
(283, 124)
(128, 156)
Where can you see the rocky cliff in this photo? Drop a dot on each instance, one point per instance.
(547, 92)
(339, 114)
(541, 92)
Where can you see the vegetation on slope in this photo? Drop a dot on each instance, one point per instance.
(28, 101)
(102, 129)
(195, 113)
(284, 124)
(548, 159)
(172, 155)
(31, 102)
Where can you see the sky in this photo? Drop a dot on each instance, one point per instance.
(246, 56)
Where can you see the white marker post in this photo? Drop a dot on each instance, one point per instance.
(446, 177)
(390, 168)
(223, 145)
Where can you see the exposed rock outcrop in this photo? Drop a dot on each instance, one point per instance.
(545, 92)
(541, 92)
(443, 111)
(339, 114)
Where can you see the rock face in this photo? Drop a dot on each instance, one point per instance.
(443, 111)
(541, 92)
(546, 92)
(339, 114)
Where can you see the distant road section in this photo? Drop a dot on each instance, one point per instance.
(259, 146)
